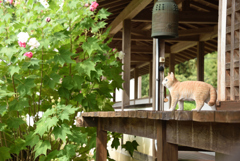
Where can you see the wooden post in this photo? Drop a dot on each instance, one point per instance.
(166, 151)
(222, 22)
(126, 47)
(154, 76)
(101, 144)
(140, 87)
(150, 81)
(200, 61)
(232, 74)
(136, 83)
(161, 75)
(171, 69)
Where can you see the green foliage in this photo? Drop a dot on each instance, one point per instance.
(130, 146)
(64, 77)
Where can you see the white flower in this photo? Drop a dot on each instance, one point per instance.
(23, 37)
(121, 55)
(44, 3)
(33, 43)
(56, 50)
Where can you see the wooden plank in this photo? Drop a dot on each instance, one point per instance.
(218, 137)
(221, 50)
(227, 116)
(165, 150)
(229, 105)
(232, 95)
(101, 143)
(126, 46)
(200, 61)
(204, 116)
(133, 8)
(142, 114)
(183, 115)
(136, 83)
(167, 115)
(197, 31)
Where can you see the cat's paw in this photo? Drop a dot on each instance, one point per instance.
(194, 109)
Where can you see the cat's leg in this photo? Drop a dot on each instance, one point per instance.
(173, 104)
(180, 105)
(199, 105)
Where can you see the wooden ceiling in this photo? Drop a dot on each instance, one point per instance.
(198, 20)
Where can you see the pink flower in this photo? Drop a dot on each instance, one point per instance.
(28, 54)
(10, 1)
(93, 6)
(114, 49)
(22, 44)
(48, 19)
(86, 5)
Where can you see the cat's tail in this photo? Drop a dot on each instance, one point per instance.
(213, 96)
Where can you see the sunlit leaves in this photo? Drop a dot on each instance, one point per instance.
(42, 147)
(64, 56)
(103, 13)
(91, 45)
(86, 67)
(61, 132)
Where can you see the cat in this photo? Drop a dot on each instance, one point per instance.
(189, 91)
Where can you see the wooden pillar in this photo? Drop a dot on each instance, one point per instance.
(166, 151)
(101, 144)
(140, 87)
(161, 74)
(222, 22)
(136, 83)
(171, 63)
(150, 81)
(171, 69)
(200, 61)
(154, 76)
(126, 47)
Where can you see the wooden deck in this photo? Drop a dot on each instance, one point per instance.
(216, 131)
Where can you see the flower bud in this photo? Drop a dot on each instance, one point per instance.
(48, 19)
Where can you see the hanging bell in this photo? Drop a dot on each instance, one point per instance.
(165, 19)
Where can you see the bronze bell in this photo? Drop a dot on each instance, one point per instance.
(165, 19)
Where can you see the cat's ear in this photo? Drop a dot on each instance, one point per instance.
(172, 75)
(168, 74)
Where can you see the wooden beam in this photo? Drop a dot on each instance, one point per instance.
(221, 50)
(197, 31)
(165, 150)
(182, 46)
(133, 8)
(141, 57)
(101, 143)
(200, 61)
(192, 17)
(126, 47)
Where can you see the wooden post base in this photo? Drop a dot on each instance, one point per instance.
(101, 147)
(165, 151)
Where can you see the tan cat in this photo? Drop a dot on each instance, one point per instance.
(189, 91)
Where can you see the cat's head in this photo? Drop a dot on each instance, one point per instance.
(169, 80)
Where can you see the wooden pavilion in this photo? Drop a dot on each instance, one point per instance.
(204, 26)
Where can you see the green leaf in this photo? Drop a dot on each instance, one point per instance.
(52, 155)
(9, 51)
(87, 23)
(69, 151)
(14, 123)
(4, 153)
(18, 105)
(63, 56)
(86, 67)
(115, 143)
(98, 26)
(14, 69)
(79, 98)
(17, 146)
(67, 82)
(130, 146)
(25, 88)
(3, 109)
(90, 45)
(63, 92)
(103, 13)
(6, 17)
(45, 124)
(42, 147)
(65, 112)
(61, 132)
(77, 136)
(2, 126)
(31, 139)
